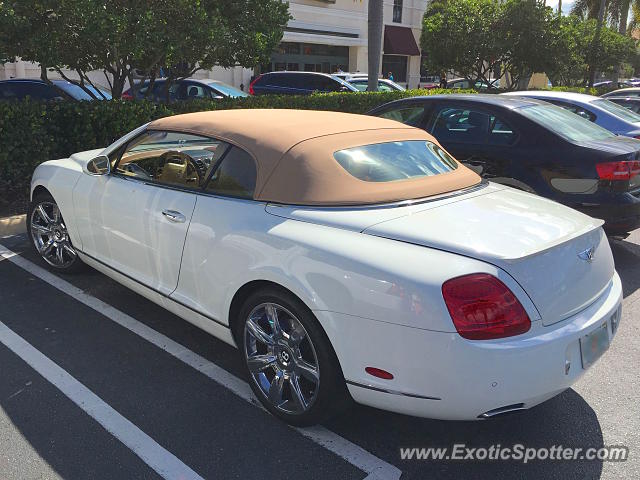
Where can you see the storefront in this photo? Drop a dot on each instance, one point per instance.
(399, 45)
(308, 57)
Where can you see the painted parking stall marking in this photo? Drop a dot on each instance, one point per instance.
(162, 461)
(376, 468)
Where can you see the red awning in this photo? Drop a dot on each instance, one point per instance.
(399, 41)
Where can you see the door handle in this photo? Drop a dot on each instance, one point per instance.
(173, 216)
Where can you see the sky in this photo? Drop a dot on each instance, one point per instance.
(566, 5)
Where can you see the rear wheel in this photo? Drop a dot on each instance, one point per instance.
(291, 366)
(49, 236)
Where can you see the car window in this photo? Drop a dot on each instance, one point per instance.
(569, 126)
(192, 91)
(462, 125)
(460, 84)
(227, 90)
(392, 161)
(78, 92)
(159, 92)
(170, 158)
(362, 85)
(284, 80)
(407, 115)
(236, 175)
(617, 110)
(34, 90)
(578, 110)
(630, 104)
(320, 83)
(500, 132)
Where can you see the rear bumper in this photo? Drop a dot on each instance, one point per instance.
(620, 216)
(442, 375)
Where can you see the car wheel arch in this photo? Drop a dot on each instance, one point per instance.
(245, 291)
(39, 190)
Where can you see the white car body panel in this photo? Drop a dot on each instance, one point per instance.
(120, 222)
(233, 242)
(372, 276)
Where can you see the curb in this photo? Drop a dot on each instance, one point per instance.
(13, 225)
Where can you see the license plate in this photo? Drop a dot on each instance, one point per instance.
(594, 344)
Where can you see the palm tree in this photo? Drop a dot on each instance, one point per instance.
(596, 40)
(374, 42)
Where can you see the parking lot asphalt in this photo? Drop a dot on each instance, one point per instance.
(157, 378)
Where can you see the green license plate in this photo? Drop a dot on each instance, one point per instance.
(594, 344)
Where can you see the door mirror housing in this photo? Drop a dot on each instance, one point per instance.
(101, 165)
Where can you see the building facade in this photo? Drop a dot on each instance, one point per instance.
(323, 36)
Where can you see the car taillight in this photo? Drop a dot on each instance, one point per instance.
(126, 96)
(483, 308)
(624, 170)
(251, 90)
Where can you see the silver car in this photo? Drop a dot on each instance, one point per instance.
(601, 111)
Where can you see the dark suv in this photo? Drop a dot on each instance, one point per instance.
(298, 83)
(36, 89)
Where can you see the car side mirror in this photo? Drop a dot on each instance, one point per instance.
(100, 165)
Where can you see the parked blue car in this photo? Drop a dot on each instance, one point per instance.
(600, 111)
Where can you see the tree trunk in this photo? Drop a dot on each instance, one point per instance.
(622, 29)
(596, 42)
(559, 8)
(375, 43)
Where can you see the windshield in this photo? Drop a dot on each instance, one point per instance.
(228, 90)
(391, 161)
(566, 124)
(617, 110)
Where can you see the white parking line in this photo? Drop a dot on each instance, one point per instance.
(376, 468)
(162, 461)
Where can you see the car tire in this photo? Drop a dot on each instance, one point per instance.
(282, 362)
(49, 236)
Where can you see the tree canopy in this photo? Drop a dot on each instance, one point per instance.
(119, 37)
(479, 39)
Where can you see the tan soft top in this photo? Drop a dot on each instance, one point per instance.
(293, 150)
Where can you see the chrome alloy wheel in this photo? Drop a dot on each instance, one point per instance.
(281, 358)
(50, 236)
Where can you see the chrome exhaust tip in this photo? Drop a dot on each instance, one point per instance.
(516, 407)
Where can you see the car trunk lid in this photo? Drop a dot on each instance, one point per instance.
(559, 256)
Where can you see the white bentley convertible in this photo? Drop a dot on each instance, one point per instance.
(345, 256)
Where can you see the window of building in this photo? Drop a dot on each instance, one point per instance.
(397, 11)
(395, 66)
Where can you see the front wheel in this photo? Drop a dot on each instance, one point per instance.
(49, 235)
(292, 368)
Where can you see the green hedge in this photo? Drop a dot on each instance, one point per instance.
(33, 132)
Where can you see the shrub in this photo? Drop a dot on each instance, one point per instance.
(33, 132)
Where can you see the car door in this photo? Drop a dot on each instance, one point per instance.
(135, 219)
(477, 137)
(222, 245)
